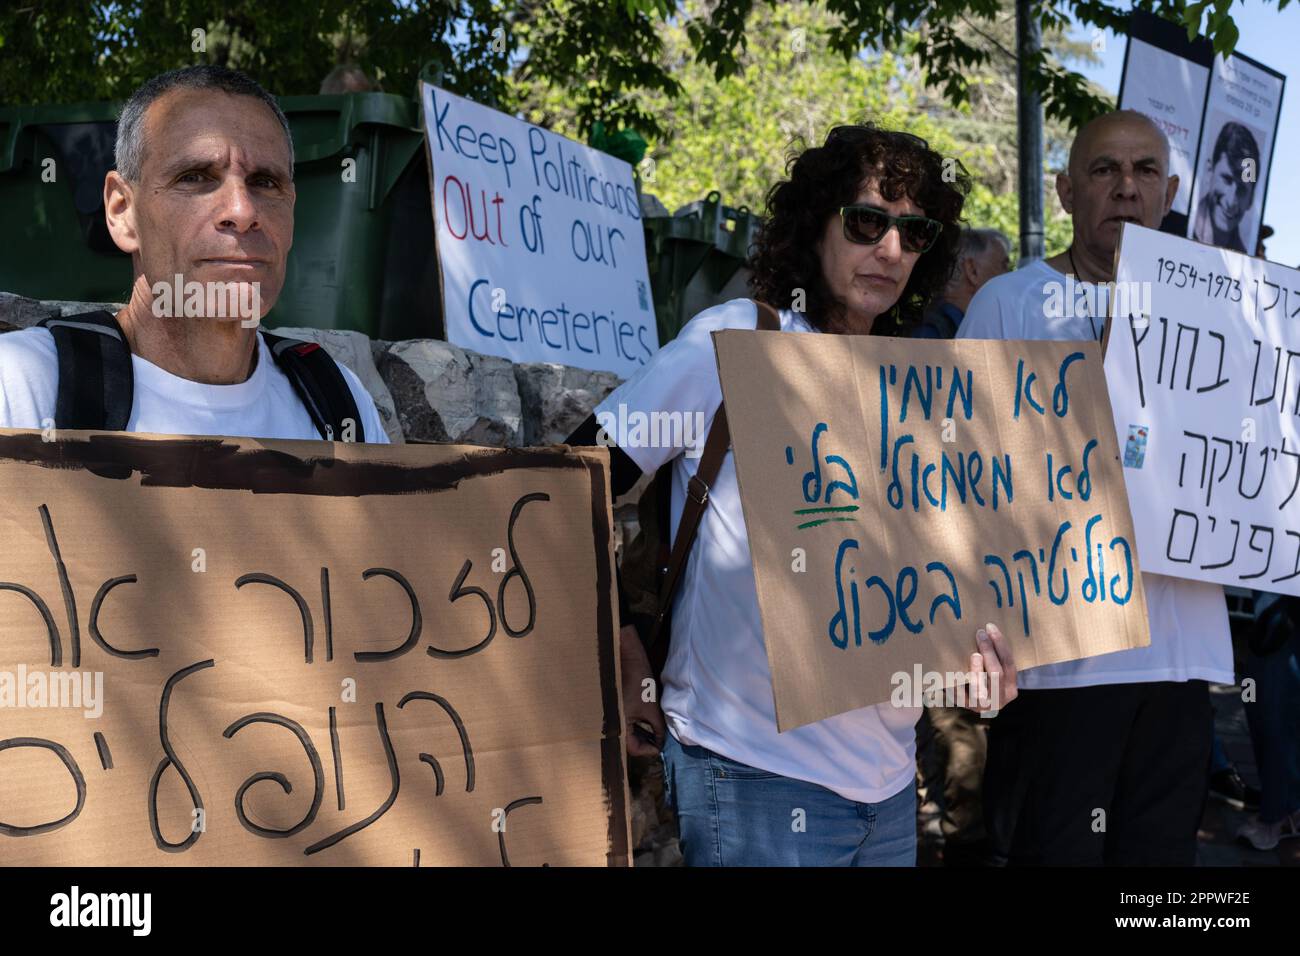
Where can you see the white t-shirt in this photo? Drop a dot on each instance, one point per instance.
(717, 685)
(264, 406)
(1190, 639)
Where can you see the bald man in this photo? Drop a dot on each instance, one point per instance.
(1105, 759)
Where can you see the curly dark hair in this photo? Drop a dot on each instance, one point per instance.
(822, 179)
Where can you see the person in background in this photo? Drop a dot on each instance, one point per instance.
(1104, 760)
(1265, 233)
(981, 255)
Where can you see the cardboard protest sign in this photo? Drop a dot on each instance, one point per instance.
(539, 239)
(223, 651)
(1205, 386)
(899, 494)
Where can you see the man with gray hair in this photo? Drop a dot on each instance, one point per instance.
(981, 255)
(1104, 759)
(202, 199)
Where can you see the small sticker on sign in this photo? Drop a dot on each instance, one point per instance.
(1135, 449)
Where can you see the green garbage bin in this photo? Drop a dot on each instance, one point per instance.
(52, 165)
(693, 255)
(363, 255)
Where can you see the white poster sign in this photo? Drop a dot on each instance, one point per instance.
(1220, 117)
(539, 239)
(1170, 90)
(1236, 145)
(1203, 369)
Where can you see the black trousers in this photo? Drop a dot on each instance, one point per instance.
(1111, 775)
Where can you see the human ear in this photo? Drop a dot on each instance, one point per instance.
(119, 212)
(1065, 192)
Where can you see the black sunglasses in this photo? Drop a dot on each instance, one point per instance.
(867, 225)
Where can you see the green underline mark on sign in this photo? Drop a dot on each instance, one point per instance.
(821, 521)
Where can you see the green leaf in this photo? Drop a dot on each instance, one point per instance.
(1192, 17)
(1225, 40)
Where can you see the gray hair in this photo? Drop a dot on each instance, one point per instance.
(130, 125)
(976, 242)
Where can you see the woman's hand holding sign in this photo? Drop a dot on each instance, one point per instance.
(993, 672)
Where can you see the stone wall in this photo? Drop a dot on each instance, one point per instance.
(430, 390)
(426, 389)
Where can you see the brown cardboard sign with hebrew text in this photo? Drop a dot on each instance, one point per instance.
(224, 651)
(899, 494)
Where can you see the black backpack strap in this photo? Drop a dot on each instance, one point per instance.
(96, 384)
(320, 384)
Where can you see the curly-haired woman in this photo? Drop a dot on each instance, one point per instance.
(859, 237)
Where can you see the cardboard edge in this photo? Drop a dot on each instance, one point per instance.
(781, 727)
(613, 765)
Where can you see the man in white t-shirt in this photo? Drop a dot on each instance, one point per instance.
(202, 193)
(1104, 760)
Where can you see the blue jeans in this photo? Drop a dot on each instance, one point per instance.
(730, 814)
